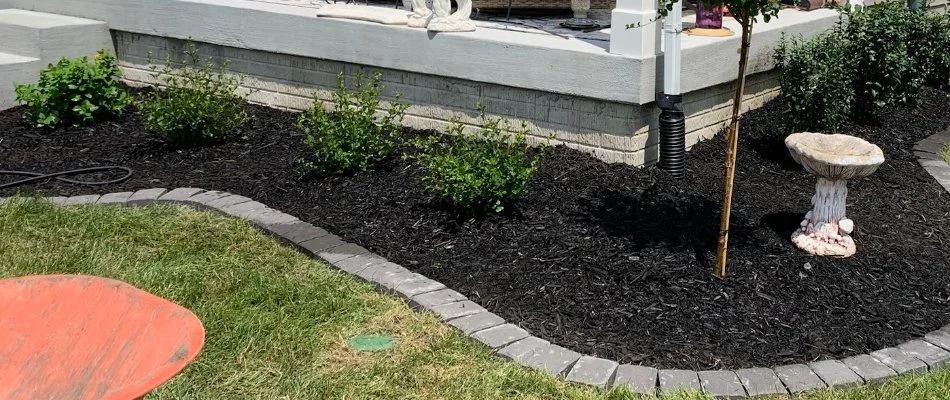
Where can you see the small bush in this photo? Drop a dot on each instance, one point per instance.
(75, 92)
(929, 46)
(886, 74)
(946, 153)
(485, 171)
(816, 78)
(197, 102)
(887, 53)
(350, 139)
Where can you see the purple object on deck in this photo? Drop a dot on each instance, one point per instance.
(709, 18)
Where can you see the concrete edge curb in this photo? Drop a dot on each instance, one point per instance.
(513, 343)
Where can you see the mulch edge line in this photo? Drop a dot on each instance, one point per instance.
(512, 343)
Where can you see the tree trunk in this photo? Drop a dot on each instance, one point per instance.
(732, 143)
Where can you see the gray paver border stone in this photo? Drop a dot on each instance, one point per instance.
(145, 196)
(471, 324)
(637, 378)
(676, 380)
(295, 233)
(388, 283)
(201, 200)
(377, 272)
(761, 382)
(340, 253)
(418, 286)
(499, 336)
(460, 309)
(114, 198)
(934, 356)
(178, 195)
(927, 150)
(436, 298)
(722, 384)
(521, 349)
(58, 200)
(358, 263)
(939, 338)
(81, 200)
(511, 342)
(320, 244)
(593, 371)
(799, 378)
(869, 368)
(899, 361)
(225, 201)
(242, 210)
(835, 373)
(552, 359)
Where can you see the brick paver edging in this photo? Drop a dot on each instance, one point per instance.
(514, 343)
(929, 151)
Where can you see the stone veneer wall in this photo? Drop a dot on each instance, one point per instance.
(611, 131)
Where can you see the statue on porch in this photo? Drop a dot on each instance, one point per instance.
(421, 14)
(440, 18)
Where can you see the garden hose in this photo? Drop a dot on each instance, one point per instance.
(60, 176)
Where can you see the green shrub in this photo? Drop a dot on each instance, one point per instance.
(929, 46)
(886, 73)
(887, 53)
(350, 139)
(485, 171)
(946, 153)
(75, 92)
(197, 102)
(816, 79)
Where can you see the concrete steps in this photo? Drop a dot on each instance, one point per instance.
(32, 40)
(15, 69)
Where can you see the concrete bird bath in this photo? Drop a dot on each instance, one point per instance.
(833, 159)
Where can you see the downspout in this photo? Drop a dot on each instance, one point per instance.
(670, 101)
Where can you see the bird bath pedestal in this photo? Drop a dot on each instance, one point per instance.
(833, 159)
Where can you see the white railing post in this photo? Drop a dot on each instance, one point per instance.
(642, 41)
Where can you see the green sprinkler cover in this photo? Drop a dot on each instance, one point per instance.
(372, 342)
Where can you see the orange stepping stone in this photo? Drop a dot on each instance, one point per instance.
(70, 337)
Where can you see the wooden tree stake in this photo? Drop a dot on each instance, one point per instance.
(732, 143)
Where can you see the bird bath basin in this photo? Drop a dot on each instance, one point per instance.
(833, 159)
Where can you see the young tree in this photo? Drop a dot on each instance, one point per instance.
(746, 12)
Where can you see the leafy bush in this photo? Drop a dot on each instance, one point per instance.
(929, 46)
(886, 53)
(350, 139)
(198, 103)
(816, 78)
(886, 74)
(75, 92)
(487, 170)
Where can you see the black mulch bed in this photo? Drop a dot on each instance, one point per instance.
(608, 260)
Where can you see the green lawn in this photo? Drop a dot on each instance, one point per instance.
(278, 322)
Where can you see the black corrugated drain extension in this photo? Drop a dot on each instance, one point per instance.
(672, 134)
